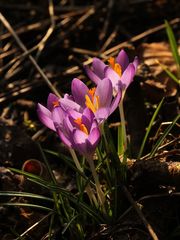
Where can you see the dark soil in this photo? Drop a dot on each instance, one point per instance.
(82, 30)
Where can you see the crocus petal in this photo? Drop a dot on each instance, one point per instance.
(68, 126)
(115, 102)
(64, 139)
(136, 62)
(104, 91)
(127, 76)
(122, 59)
(79, 90)
(69, 97)
(92, 75)
(80, 139)
(102, 114)
(94, 137)
(45, 116)
(58, 116)
(113, 76)
(87, 118)
(68, 104)
(94, 124)
(98, 67)
(51, 99)
(74, 114)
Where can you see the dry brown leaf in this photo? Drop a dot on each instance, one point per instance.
(160, 84)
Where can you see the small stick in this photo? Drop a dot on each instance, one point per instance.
(22, 46)
(139, 212)
(107, 20)
(108, 40)
(140, 36)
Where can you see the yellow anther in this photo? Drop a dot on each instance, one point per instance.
(81, 126)
(111, 62)
(56, 104)
(118, 69)
(93, 104)
(96, 103)
(89, 104)
(115, 66)
(78, 121)
(92, 91)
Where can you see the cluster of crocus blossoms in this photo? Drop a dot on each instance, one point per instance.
(76, 118)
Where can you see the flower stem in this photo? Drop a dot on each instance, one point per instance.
(123, 123)
(100, 193)
(89, 191)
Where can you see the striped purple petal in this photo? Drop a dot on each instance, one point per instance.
(127, 76)
(79, 90)
(104, 92)
(45, 116)
(122, 59)
(52, 98)
(98, 67)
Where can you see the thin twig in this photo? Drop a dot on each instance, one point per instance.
(50, 30)
(109, 40)
(22, 46)
(113, 51)
(34, 225)
(107, 20)
(140, 36)
(139, 212)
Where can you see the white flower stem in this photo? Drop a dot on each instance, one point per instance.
(100, 193)
(89, 191)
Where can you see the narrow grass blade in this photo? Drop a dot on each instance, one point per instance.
(173, 45)
(170, 74)
(30, 175)
(17, 204)
(161, 139)
(149, 129)
(24, 194)
(51, 227)
(68, 224)
(55, 188)
(69, 162)
(22, 236)
(47, 164)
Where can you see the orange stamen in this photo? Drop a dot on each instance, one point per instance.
(81, 126)
(92, 91)
(115, 66)
(78, 121)
(93, 104)
(111, 62)
(56, 104)
(118, 69)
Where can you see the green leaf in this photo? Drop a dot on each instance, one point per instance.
(55, 188)
(173, 45)
(17, 204)
(161, 139)
(24, 194)
(149, 129)
(170, 74)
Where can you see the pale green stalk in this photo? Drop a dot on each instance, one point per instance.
(100, 193)
(89, 191)
(123, 123)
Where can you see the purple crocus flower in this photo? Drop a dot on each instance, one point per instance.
(77, 130)
(119, 71)
(99, 100)
(45, 114)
